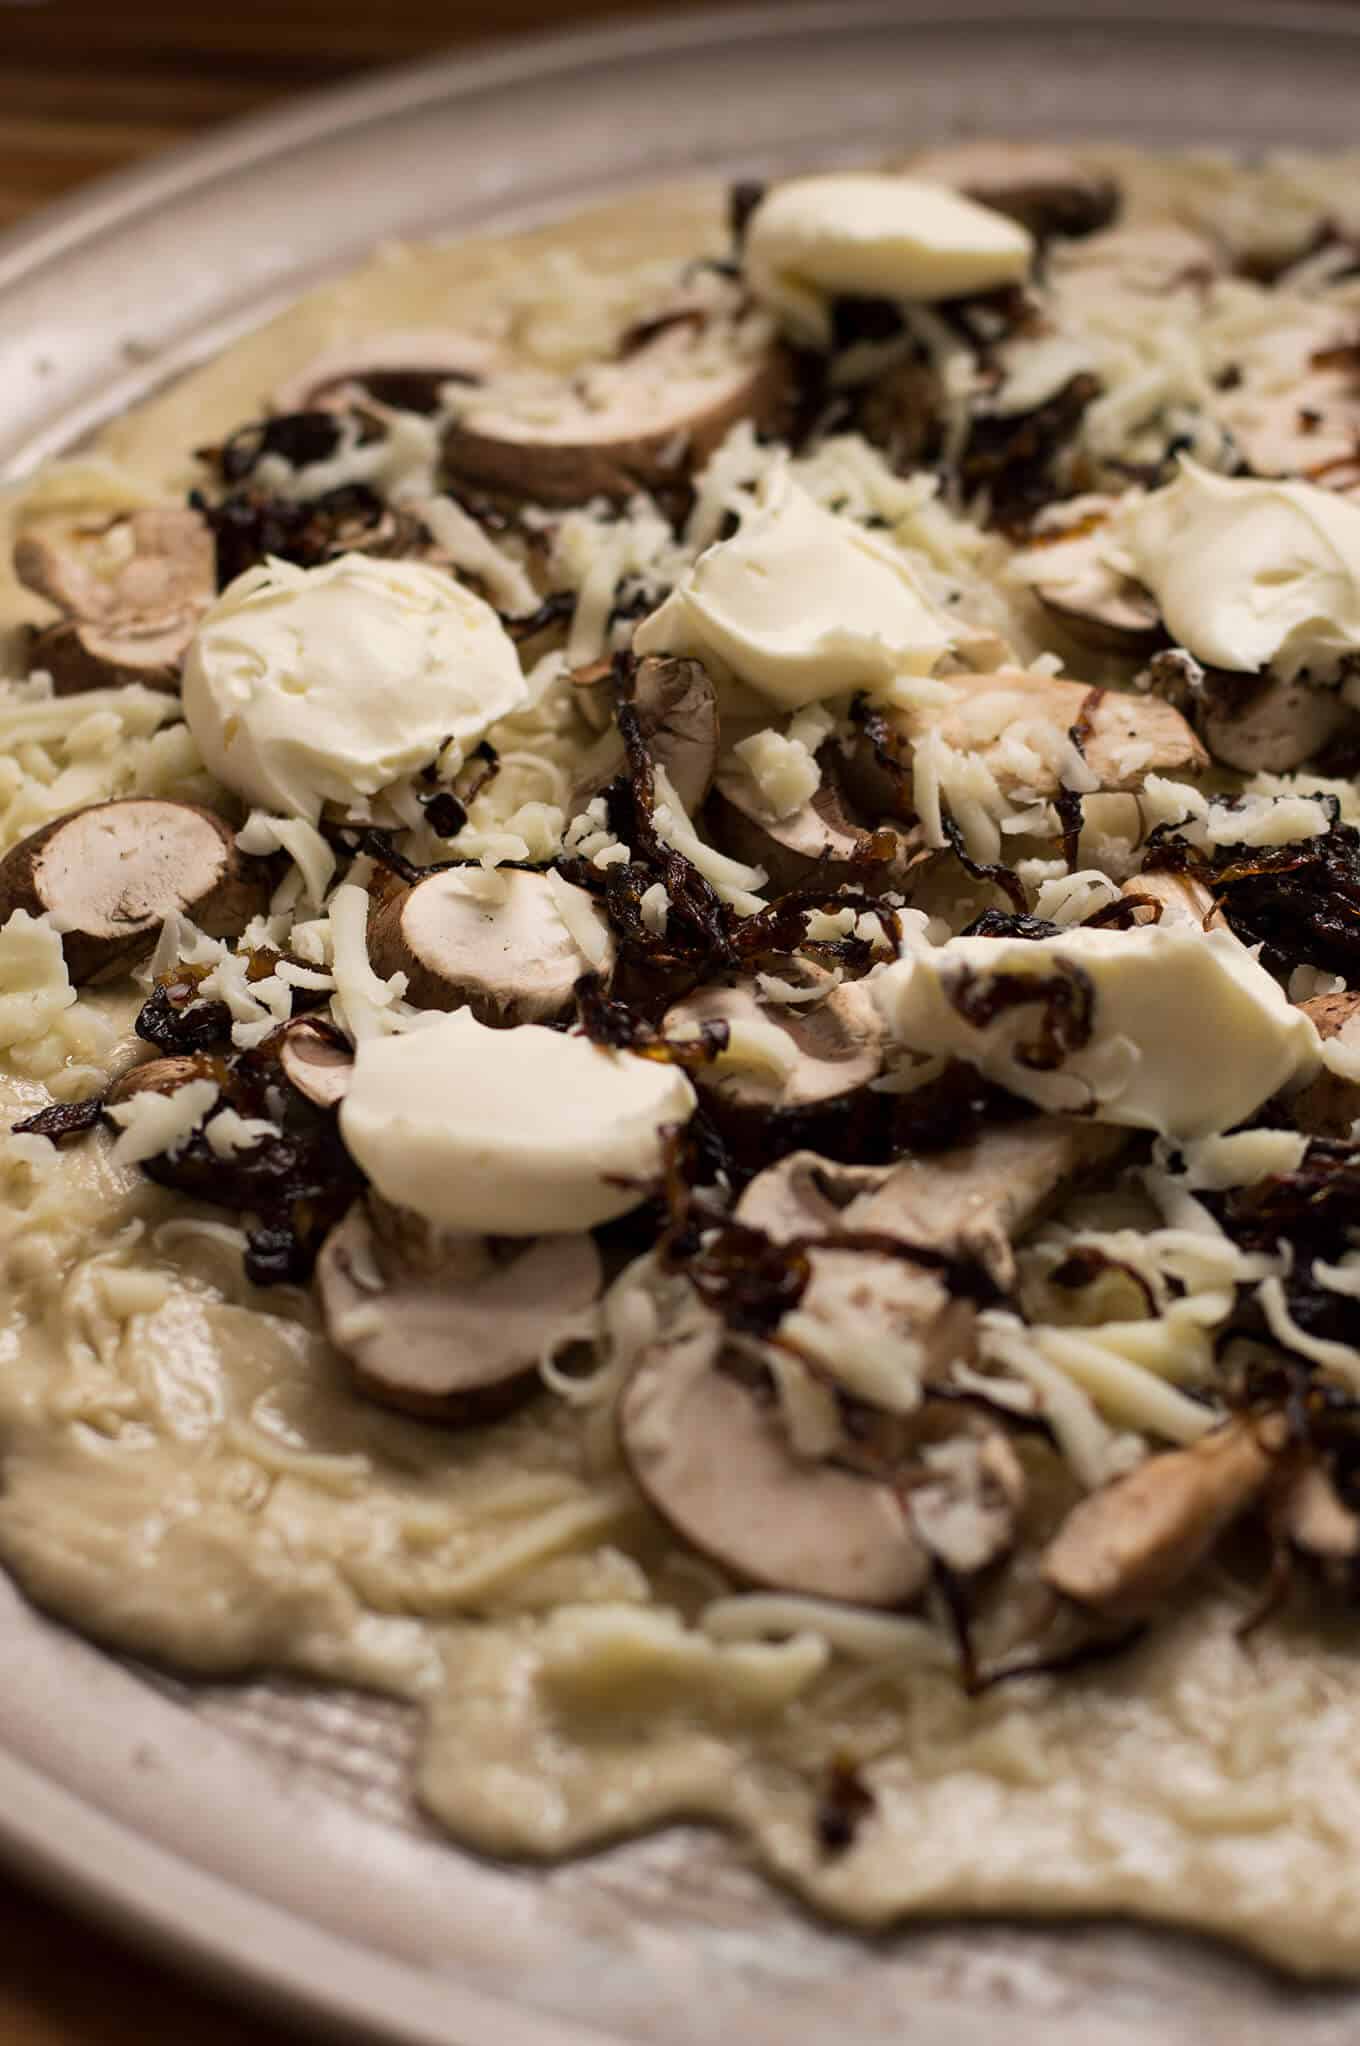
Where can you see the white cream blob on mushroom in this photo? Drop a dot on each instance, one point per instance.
(1250, 573)
(309, 686)
(520, 1132)
(1161, 1028)
(800, 605)
(874, 235)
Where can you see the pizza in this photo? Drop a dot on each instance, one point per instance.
(676, 920)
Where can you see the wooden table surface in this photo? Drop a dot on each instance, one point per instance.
(87, 87)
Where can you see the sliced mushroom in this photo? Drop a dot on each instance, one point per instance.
(1124, 737)
(1309, 1513)
(460, 1339)
(677, 721)
(643, 422)
(974, 1201)
(110, 875)
(1180, 898)
(818, 840)
(1065, 565)
(1294, 409)
(1121, 1550)
(783, 1057)
(1047, 190)
(132, 593)
(677, 715)
(1328, 1104)
(1260, 724)
(714, 1462)
(494, 942)
(405, 370)
(978, 1200)
(315, 1059)
(882, 1328)
(162, 1076)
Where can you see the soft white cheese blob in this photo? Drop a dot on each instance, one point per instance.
(1249, 573)
(523, 1132)
(312, 685)
(800, 604)
(1166, 1028)
(873, 235)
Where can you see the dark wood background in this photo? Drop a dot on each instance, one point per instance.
(86, 87)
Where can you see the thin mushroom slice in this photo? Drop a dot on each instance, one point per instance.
(978, 1200)
(1330, 1103)
(1065, 565)
(677, 721)
(1048, 190)
(459, 1339)
(1309, 1513)
(162, 1076)
(315, 1059)
(646, 421)
(972, 1202)
(1179, 898)
(1125, 737)
(1261, 724)
(715, 1463)
(110, 875)
(1123, 1549)
(819, 840)
(496, 943)
(781, 1055)
(131, 593)
(405, 369)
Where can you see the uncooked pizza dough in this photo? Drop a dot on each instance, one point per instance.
(191, 1474)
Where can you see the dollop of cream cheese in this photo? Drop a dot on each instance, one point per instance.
(1249, 573)
(800, 604)
(523, 1132)
(873, 235)
(1163, 1028)
(312, 685)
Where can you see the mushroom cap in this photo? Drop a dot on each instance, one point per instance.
(716, 1465)
(315, 1059)
(677, 713)
(822, 1050)
(493, 942)
(111, 874)
(1065, 566)
(1125, 1547)
(974, 1201)
(80, 657)
(1329, 1104)
(1127, 737)
(1048, 190)
(641, 423)
(820, 839)
(461, 1341)
(1263, 725)
(150, 564)
(416, 353)
(1181, 898)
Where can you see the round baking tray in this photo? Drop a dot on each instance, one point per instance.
(262, 1833)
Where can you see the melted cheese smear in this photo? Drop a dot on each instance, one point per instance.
(870, 235)
(307, 686)
(800, 605)
(1251, 574)
(1165, 1028)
